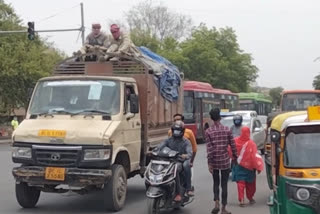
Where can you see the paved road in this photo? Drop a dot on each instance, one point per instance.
(136, 200)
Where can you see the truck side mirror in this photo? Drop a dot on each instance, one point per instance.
(134, 103)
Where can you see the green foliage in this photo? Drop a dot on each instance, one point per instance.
(144, 38)
(275, 94)
(316, 82)
(23, 62)
(214, 56)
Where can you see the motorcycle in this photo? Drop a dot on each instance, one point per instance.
(160, 181)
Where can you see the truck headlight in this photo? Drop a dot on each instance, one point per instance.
(96, 154)
(303, 194)
(21, 152)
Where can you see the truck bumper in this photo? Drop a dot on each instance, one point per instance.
(35, 175)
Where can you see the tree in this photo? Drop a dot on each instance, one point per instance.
(23, 62)
(214, 56)
(142, 38)
(275, 94)
(316, 82)
(158, 21)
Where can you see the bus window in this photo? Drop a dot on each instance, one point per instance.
(188, 108)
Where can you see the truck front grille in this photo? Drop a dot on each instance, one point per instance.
(56, 157)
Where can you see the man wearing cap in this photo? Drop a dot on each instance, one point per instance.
(95, 38)
(120, 42)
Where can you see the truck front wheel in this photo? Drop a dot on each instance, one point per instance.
(115, 190)
(27, 196)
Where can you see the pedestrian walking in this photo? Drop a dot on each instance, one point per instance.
(248, 162)
(218, 138)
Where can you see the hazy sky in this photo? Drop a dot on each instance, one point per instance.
(282, 36)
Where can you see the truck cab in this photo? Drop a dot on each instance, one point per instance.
(88, 127)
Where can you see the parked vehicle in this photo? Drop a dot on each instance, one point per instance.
(160, 181)
(89, 127)
(293, 168)
(257, 133)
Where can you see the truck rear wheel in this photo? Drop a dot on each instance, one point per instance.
(115, 190)
(27, 196)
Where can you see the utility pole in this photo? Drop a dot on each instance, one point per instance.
(81, 29)
(82, 24)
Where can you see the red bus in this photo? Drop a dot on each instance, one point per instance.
(199, 99)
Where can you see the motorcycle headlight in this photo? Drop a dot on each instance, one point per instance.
(96, 154)
(303, 194)
(152, 178)
(21, 152)
(159, 178)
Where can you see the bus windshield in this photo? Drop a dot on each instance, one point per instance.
(299, 101)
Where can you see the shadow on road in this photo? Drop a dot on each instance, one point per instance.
(90, 203)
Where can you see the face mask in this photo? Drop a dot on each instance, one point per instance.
(176, 132)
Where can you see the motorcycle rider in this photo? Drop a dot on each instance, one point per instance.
(237, 125)
(182, 145)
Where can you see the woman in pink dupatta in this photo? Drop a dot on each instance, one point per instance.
(244, 173)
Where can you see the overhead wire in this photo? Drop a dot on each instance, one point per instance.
(56, 14)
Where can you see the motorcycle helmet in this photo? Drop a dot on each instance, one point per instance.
(178, 129)
(237, 120)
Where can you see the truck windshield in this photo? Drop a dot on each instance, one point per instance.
(299, 101)
(302, 150)
(74, 96)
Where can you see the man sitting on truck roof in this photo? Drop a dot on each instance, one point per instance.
(95, 39)
(119, 43)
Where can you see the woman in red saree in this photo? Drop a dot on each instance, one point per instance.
(244, 172)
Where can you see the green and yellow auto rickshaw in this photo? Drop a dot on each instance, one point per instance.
(293, 165)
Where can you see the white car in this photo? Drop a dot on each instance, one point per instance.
(245, 113)
(257, 132)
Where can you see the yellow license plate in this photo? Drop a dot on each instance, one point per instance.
(52, 133)
(55, 173)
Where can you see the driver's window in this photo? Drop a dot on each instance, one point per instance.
(256, 124)
(129, 89)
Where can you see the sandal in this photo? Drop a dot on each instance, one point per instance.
(215, 210)
(252, 201)
(242, 204)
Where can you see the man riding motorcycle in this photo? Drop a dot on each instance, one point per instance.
(236, 128)
(180, 144)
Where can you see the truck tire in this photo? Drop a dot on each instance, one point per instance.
(153, 205)
(27, 196)
(115, 190)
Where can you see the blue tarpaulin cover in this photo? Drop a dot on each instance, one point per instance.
(167, 75)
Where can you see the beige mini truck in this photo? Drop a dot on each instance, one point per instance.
(89, 127)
